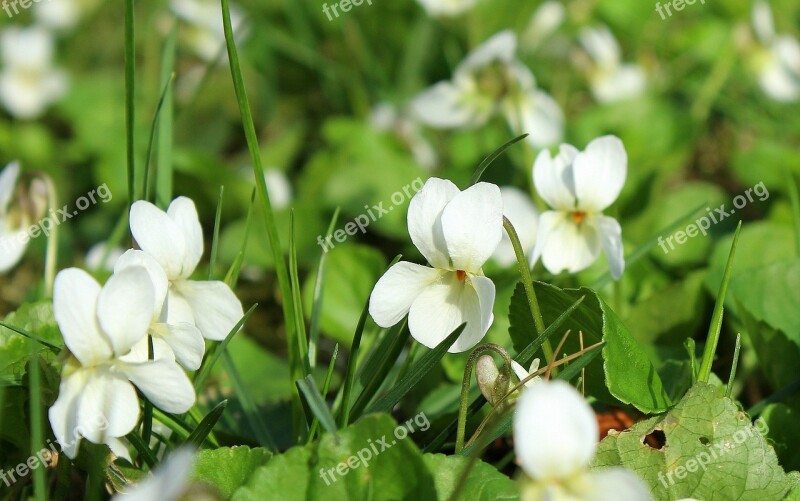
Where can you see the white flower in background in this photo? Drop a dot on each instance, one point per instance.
(447, 7)
(519, 209)
(279, 187)
(555, 437)
(204, 31)
(489, 81)
(61, 15)
(100, 325)
(100, 257)
(175, 239)
(28, 81)
(456, 232)
(387, 118)
(182, 338)
(168, 482)
(547, 18)
(579, 186)
(522, 373)
(778, 60)
(609, 79)
(13, 221)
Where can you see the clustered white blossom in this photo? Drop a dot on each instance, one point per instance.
(149, 301)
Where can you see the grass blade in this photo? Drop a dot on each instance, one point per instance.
(248, 406)
(130, 110)
(152, 139)
(734, 365)
(317, 404)
(303, 367)
(316, 304)
(263, 195)
(427, 362)
(716, 318)
(525, 357)
(325, 387)
(208, 364)
(37, 419)
(215, 239)
(198, 436)
(23, 332)
(491, 158)
(232, 277)
(144, 451)
(163, 181)
(350, 375)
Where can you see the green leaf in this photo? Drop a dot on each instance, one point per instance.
(34, 318)
(395, 472)
(484, 482)
(317, 403)
(625, 373)
(228, 468)
(706, 427)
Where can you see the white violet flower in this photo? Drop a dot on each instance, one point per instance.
(579, 186)
(168, 482)
(778, 59)
(28, 81)
(447, 7)
(100, 325)
(14, 222)
(204, 30)
(489, 81)
(555, 437)
(175, 239)
(610, 79)
(456, 232)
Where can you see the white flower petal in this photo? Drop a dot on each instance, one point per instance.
(160, 236)
(119, 447)
(601, 45)
(442, 307)
(424, 220)
(611, 239)
(564, 245)
(64, 412)
(485, 290)
(501, 47)
(447, 7)
(472, 225)
(75, 295)
(12, 246)
(186, 343)
(158, 278)
(184, 213)
(600, 171)
(553, 177)
(279, 187)
(519, 209)
(163, 382)
(178, 309)
(762, 22)
(555, 431)
(538, 114)
(125, 308)
(8, 183)
(215, 308)
(443, 106)
(613, 484)
(166, 483)
(109, 406)
(397, 289)
(624, 82)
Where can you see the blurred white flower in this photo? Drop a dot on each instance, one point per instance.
(279, 187)
(204, 30)
(522, 373)
(778, 59)
(610, 80)
(181, 337)
(28, 81)
(519, 209)
(490, 81)
(13, 221)
(447, 7)
(61, 15)
(167, 482)
(456, 232)
(546, 19)
(555, 437)
(175, 240)
(579, 186)
(387, 118)
(100, 257)
(97, 399)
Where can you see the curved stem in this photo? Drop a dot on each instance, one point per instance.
(465, 384)
(527, 282)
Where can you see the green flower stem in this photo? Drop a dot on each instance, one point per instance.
(51, 257)
(466, 383)
(527, 282)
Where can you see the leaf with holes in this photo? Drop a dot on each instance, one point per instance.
(710, 450)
